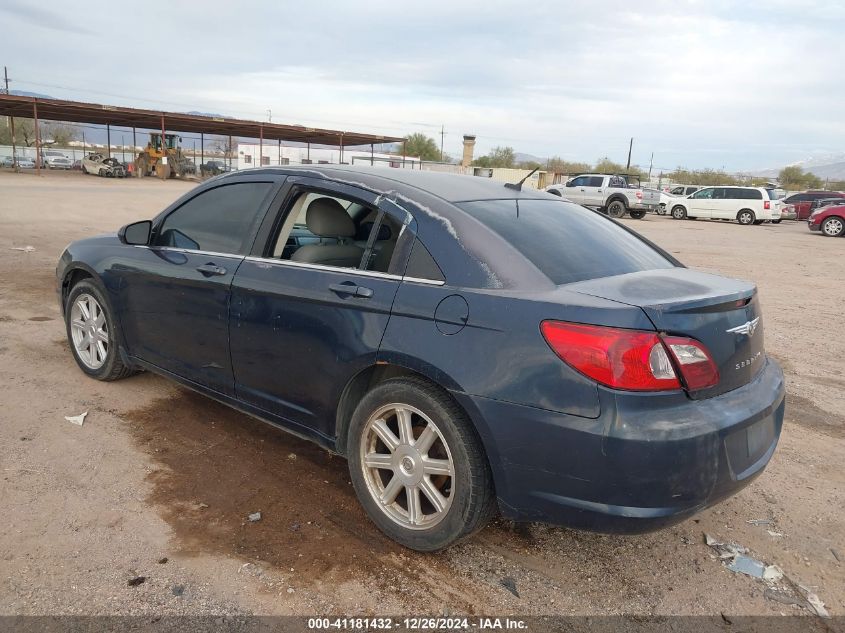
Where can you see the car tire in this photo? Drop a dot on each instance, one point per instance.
(679, 213)
(453, 495)
(102, 173)
(616, 209)
(758, 222)
(87, 315)
(746, 217)
(834, 226)
(637, 214)
(775, 221)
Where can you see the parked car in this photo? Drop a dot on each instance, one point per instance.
(829, 219)
(612, 194)
(803, 201)
(670, 194)
(54, 159)
(746, 205)
(100, 165)
(23, 162)
(824, 202)
(214, 167)
(464, 353)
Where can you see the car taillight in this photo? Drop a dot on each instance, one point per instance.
(639, 195)
(767, 204)
(633, 360)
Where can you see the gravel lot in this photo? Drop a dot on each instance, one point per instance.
(159, 473)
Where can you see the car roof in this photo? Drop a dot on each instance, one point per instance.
(449, 187)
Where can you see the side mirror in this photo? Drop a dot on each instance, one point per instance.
(137, 233)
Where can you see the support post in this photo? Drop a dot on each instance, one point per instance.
(341, 148)
(134, 143)
(229, 152)
(403, 153)
(37, 138)
(372, 158)
(308, 150)
(280, 152)
(108, 140)
(202, 149)
(630, 147)
(261, 145)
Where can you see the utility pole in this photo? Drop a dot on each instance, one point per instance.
(630, 147)
(650, 165)
(269, 115)
(442, 134)
(11, 121)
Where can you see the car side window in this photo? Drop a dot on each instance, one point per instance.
(595, 181)
(703, 194)
(327, 230)
(677, 191)
(421, 264)
(580, 181)
(216, 220)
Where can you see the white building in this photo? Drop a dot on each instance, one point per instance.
(275, 154)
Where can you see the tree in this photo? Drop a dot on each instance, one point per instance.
(24, 132)
(60, 133)
(794, 177)
(226, 145)
(497, 157)
(425, 147)
(561, 166)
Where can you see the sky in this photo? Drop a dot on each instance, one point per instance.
(741, 86)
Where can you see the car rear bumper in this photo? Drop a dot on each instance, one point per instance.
(646, 462)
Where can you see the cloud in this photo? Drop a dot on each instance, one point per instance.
(697, 83)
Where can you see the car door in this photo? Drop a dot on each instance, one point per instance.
(594, 191)
(724, 204)
(175, 292)
(301, 329)
(575, 189)
(699, 204)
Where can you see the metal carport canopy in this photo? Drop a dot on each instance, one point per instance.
(80, 112)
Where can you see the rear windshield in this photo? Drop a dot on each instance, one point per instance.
(567, 242)
(776, 194)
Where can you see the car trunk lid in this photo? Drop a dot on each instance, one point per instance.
(721, 313)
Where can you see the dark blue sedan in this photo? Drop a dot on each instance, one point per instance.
(470, 347)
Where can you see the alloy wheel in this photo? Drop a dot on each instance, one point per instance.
(407, 466)
(833, 227)
(89, 331)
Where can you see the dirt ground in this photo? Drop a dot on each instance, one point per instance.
(158, 473)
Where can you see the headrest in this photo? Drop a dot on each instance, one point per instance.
(327, 218)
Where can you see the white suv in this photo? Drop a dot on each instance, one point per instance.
(746, 205)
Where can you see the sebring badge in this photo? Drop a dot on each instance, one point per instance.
(746, 328)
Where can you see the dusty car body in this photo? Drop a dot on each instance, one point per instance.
(100, 165)
(471, 348)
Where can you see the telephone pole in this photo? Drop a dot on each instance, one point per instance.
(442, 134)
(630, 147)
(11, 121)
(650, 165)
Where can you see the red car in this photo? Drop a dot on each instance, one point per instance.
(802, 201)
(830, 220)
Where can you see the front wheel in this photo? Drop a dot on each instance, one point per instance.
(616, 209)
(91, 333)
(417, 465)
(833, 226)
(679, 213)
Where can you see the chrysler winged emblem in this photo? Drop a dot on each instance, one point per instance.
(746, 328)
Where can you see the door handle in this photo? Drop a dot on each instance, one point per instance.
(352, 289)
(211, 269)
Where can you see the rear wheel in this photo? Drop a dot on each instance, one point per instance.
(417, 465)
(833, 226)
(91, 333)
(775, 221)
(616, 209)
(679, 213)
(745, 217)
(637, 214)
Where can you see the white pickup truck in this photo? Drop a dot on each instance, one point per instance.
(610, 193)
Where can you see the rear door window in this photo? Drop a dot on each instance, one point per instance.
(567, 242)
(217, 220)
